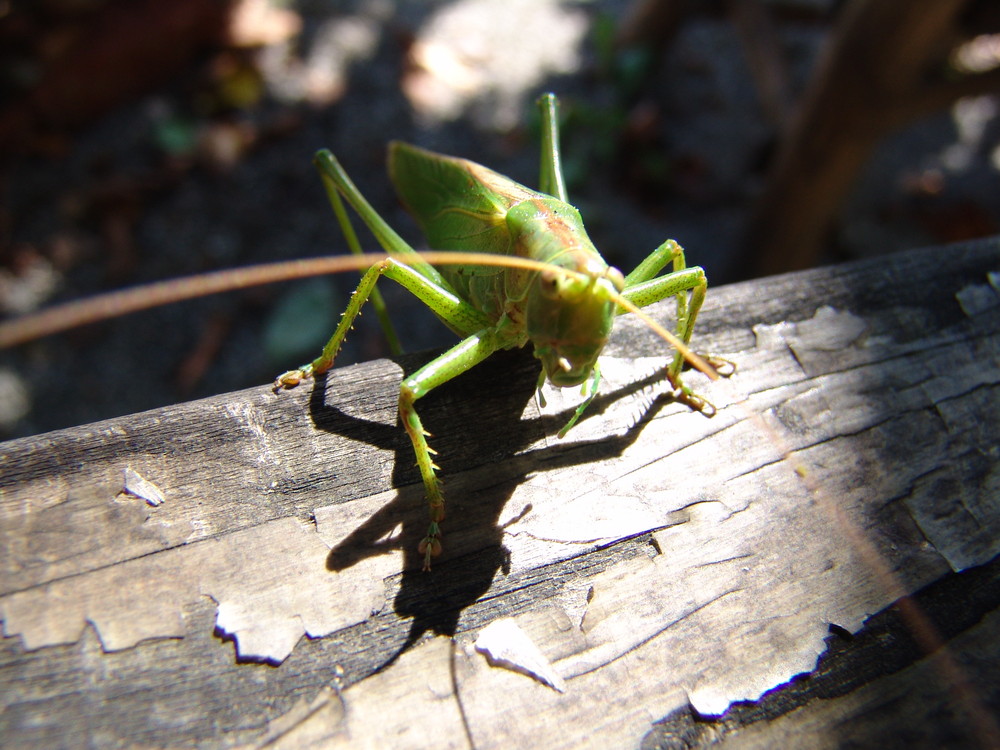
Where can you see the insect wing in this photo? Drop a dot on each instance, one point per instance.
(460, 205)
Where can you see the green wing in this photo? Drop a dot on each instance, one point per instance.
(460, 205)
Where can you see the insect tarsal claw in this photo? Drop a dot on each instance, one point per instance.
(708, 408)
(695, 403)
(724, 368)
(290, 379)
(429, 547)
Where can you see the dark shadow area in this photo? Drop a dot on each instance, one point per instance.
(472, 430)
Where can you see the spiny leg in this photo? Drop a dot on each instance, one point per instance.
(381, 312)
(461, 357)
(427, 284)
(422, 279)
(455, 361)
(442, 301)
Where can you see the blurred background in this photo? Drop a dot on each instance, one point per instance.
(142, 140)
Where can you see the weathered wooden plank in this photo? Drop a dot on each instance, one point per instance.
(659, 559)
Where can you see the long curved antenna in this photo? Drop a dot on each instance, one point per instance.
(126, 301)
(113, 304)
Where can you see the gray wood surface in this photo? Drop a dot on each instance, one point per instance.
(664, 564)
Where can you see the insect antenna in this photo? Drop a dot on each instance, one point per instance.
(133, 299)
(126, 301)
(693, 358)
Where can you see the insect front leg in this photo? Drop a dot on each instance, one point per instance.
(688, 286)
(461, 357)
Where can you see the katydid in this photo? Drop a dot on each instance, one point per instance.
(565, 311)
(510, 266)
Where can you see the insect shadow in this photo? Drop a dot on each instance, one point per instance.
(479, 434)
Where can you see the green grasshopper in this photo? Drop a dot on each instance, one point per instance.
(566, 310)
(512, 266)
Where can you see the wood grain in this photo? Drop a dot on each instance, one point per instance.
(661, 561)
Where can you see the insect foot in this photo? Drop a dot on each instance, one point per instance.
(430, 545)
(723, 369)
(291, 378)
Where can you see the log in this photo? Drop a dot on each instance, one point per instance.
(242, 570)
